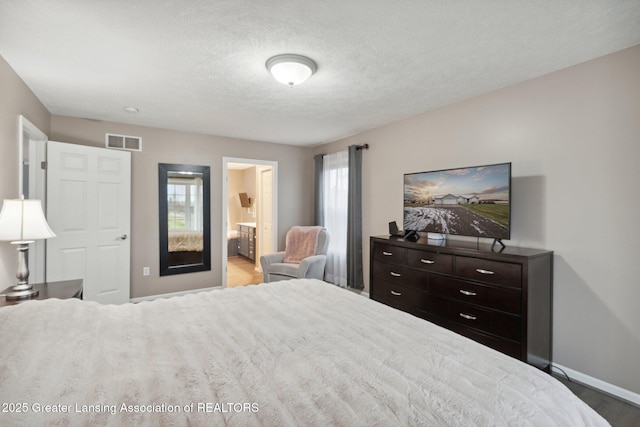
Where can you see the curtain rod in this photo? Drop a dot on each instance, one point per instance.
(358, 147)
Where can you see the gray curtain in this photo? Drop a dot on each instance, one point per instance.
(319, 208)
(354, 225)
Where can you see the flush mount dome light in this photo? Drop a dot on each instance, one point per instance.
(290, 69)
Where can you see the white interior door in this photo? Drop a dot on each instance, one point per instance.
(89, 209)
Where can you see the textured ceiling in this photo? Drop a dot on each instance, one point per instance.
(199, 65)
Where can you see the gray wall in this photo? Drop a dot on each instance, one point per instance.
(295, 201)
(574, 139)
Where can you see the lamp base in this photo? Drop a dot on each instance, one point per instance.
(19, 292)
(22, 290)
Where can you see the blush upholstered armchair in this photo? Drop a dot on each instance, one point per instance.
(305, 256)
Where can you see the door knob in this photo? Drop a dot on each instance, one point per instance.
(123, 237)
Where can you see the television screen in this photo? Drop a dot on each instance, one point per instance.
(473, 201)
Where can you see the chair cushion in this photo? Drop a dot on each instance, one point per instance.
(284, 269)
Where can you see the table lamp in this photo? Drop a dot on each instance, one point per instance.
(23, 222)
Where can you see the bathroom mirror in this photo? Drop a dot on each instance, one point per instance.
(184, 206)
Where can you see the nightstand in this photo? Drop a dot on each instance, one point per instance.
(61, 290)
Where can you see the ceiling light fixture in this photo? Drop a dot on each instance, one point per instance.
(290, 69)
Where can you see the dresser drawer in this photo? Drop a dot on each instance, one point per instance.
(498, 273)
(502, 299)
(390, 254)
(399, 296)
(430, 261)
(503, 325)
(401, 275)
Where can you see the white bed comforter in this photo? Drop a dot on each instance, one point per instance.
(297, 352)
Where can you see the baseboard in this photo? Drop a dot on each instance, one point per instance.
(364, 294)
(172, 294)
(603, 386)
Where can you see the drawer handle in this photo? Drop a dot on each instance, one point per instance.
(482, 271)
(468, 316)
(387, 253)
(394, 274)
(468, 293)
(427, 261)
(396, 293)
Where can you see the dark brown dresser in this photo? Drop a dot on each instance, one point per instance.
(500, 298)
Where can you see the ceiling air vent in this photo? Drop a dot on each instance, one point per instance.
(123, 142)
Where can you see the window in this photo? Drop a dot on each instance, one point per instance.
(184, 196)
(339, 210)
(335, 181)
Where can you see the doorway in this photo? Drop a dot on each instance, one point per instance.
(32, 151)
(249, 212)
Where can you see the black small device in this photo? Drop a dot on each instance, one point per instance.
(393, 230)
(408, 234)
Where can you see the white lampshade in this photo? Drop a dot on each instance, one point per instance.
(291, 69)
(22, 221)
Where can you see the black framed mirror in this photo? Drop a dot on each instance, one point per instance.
(185, 218)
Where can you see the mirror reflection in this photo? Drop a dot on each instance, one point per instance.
(184, 218)
(184, 198)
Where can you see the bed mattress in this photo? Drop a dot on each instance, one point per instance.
(298, 352)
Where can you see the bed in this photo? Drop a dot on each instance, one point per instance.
(297, 352)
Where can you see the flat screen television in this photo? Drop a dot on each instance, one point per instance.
(471, 201)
